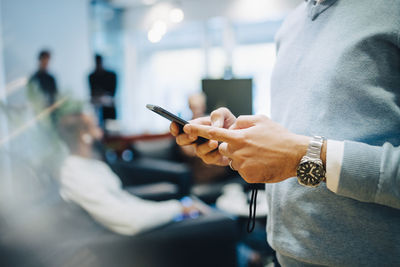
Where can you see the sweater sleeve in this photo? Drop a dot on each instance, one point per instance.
(371, 173)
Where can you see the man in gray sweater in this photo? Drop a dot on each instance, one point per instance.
(335, 126)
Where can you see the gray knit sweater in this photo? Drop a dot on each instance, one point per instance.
(338, 75)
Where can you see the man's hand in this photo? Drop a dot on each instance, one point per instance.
(261, 150)
(208, 152)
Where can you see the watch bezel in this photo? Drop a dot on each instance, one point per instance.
(301, 176)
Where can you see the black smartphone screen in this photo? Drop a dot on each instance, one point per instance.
(166, 114)
(172, 117)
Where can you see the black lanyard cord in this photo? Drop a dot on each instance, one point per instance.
(251, 222)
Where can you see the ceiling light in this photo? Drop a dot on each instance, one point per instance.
(160, 27)
(154, 36)
(176, 15)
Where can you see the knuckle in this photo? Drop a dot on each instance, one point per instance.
(212, 133)
(222, 109)
(219, 112)
(215, 113)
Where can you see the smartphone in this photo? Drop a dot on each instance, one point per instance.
(172, 117)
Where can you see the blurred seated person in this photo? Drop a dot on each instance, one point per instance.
(44, 81)
(103, 84)
(92, 185)
(202, 173)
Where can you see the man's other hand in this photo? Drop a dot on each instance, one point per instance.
(208, 152)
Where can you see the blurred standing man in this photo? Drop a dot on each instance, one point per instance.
(45, 81)
(336, 108)
(103, 84)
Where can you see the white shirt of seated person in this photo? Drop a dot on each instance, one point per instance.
(92, 185)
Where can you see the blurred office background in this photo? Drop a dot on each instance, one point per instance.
(161, 52)
(160, 49)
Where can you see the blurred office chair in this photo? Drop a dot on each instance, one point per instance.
(150, 170)
(154, 179)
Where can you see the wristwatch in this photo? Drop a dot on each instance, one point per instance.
(310, 171)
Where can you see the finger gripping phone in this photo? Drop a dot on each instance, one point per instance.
(172, 117)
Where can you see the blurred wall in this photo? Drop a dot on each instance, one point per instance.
(2, 89)
(194, 32)
(4, 159)
(140, 17)
(59, 25)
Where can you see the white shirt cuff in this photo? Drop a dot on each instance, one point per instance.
(334, 158)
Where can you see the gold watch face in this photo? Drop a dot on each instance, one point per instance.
(310, 173)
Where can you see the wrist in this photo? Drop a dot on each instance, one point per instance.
(300, 149)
